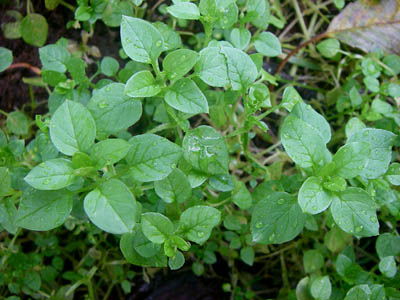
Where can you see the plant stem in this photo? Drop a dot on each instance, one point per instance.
(67, 5)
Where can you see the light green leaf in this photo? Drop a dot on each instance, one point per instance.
(393, 174)
(197, 222)
(184, 10)
(72, 128)
(312, 198)
(142, 84)
(247, 255)
(6, 58)
(388, 267)
(263, 16)
(172, 39)
(109, 66)
(127, 245)
(152, 157)
(276, 219)
(109, 152)
(241, 196)
(307, 114)
(240, 37)
(141, 41)
(110, 104)
(359, 292)
(17, 123)
(350, 159)
(290, 98)
(303, 143)
(381, 142)
(185, 96)
(43, 210)
(388, 244)
(241, 69)
(313, 260)
(111, 207)
(354, 211)
(353, 125)
(5, 181)
(259, 96)
(211, 67)
(174, 188)
(177, 63)
(144, 246)
(268, 44)
(52, 174)
(205, 149)
(177, 261)
(329, 47)
(34, 29)
(54, 58)
(8, 214)
(335, 184)
(156, 227)
(321, 288)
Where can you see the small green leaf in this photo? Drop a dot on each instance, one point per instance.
(312, 261)
(355, 97)
(354, 211)
(276, 219)
(43, 210)
(184, 10)
(329, 47)
(53, 174)
(72, 128)
(112, 207)
(152, 157)
(359, 292)
(240, 37)
(141, 41)
(109, 66)
(268, 44)
(184, 95)
(34, 29)
(54, 58)
(8, 214)
(247, 255)
(205, 149)
(172, 39)
(388, 267)
(335, 184)
(177, 261)
(388, 244)
(353, 125)
(5, 181)
(142, 84)
(177, 63)
(6, 58)
(321, 288)
(109, 104)
(313, 198)
(174, 188)
(290, 98)
(109, 152)
(259, 96)
(156, 227)
(351, 158)
(144, 246)
(241, 196)
(211, 67)
(197, 222)
(381, 142)
(17, 123)
(393, 174)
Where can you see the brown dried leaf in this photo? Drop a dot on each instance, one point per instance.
(369, 25)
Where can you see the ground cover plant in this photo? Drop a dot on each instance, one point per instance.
(251, 143)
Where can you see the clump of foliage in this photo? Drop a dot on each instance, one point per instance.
(162, 154)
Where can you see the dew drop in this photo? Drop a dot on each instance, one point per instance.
(259, 224)
(128, 40)
(373, 219)
(360, 167)
(159, 43)
(281, 201)
(309, 107)
(108, 89)
(359, 228)
(102, 104)
(272, 237)
(366, 133)
(200, 234)
(314, 208)
(46, 181)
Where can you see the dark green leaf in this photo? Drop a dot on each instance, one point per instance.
(34, 29)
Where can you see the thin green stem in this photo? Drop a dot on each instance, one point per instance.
(67, 5)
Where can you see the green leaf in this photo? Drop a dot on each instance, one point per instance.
(156, 227)
(354, 211)
(6, 58)
(5, 181)
(313, 198)
(276, 219)
(141, 41)
(381, 142)
(205, 149)
(72, 128)
(355, 97)
(184, 10)
(388, 244)
(247, 255)
(353, 125)
(335, 184)
(110, 104)
(43, 210)
(8, 214)
(350, 159)
(393, 174)
(388, 267)
(144, 246)
(17, 123)
(32, 280)
(152, 157)
(241, 196)
(53, 174)
(177, 261)
(290, 98)
(321, 288)
(142, 84)
(312, 261)
(197, 222)
(263, 16)
(77, 68)
(109, 66)
(259, 96)
(177, 63)
(34, 29)
(359, 292)
(307, 114)
(174, 188)
(109, 151)
(241, 69)
(212, 68)
(329, 47)
(112, 207)
(54, 58)
(172, 39)
(268, 44)
(303, 143)
(240, 37)
(127, 245)
(51, 4)
(185, 96)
